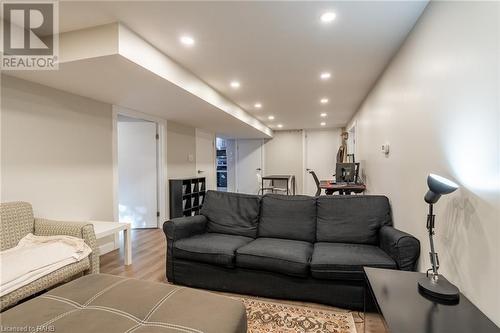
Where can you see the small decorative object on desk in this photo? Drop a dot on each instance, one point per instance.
(434, 285)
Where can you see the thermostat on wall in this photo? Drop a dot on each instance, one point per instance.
(385, 148)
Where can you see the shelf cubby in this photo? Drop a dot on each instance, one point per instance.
(186, 196)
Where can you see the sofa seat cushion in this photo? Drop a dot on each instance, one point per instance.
(340, 261)
(212, 248)
(284, 256)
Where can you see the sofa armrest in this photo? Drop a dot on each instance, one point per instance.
(401, 246)
(183, 227)
(84, 230)
(178, 228)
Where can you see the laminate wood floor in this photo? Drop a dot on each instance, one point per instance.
(148, 263)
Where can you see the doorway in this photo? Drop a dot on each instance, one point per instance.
(249, 162)
(226, 164)
(137, 158)
(320, 155)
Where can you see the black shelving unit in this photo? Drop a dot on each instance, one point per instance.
(186, 196)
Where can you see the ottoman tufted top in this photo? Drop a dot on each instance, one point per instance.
(108, 303)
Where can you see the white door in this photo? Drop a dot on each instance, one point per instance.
(320, 155)
(205, 157)
(248, 165)
(137, 173)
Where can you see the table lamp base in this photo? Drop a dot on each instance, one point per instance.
(440, 290)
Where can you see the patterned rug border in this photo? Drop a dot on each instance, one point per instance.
(349, 316)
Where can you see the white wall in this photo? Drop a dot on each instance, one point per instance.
(205, 157)
(283, 155)
(181, 151)
(56, 152)
(437, 104)
(287, 153)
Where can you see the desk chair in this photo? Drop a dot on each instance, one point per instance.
(316, 181)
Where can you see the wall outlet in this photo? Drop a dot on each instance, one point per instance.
(190, 158)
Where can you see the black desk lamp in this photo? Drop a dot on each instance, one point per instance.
(435, 286)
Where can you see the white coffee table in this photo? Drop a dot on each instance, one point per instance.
(103, 229)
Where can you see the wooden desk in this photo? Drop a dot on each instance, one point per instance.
(290, 179)
(331, 187)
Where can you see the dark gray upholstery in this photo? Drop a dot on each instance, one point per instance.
(247, 281)
(339, 261)
(183, 227)
(212, 248)
(403, 248)
(288, 217)
(180, 228)
(231, 213)
(352, 219)
(284, 256)
(286, 260)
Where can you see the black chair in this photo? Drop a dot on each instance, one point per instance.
(316, 180)
(356, 175)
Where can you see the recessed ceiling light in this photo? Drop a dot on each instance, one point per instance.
(270, 117)
(280, 125)
(235, 84)
(323, 115)
(257, 105)
(328, 17)
(323, 100)
(187, 40)
(323, 123)
(325, 75)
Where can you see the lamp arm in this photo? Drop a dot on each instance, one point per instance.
(433, 255)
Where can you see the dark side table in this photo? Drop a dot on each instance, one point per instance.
(406, 311)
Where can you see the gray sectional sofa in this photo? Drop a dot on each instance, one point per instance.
(290, 247)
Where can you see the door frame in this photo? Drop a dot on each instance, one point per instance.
(160, 160)
(349, 129)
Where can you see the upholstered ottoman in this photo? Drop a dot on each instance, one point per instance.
(108, 303)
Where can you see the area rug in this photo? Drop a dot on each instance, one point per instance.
(264, 317)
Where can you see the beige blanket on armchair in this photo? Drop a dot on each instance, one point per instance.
(37, 256)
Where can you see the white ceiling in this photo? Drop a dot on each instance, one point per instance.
(121, 82)
(275, 49)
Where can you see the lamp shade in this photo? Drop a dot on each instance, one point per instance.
(438, 186)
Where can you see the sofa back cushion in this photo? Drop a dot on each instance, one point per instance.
(352, 219)
(231, 213)
(288, 217)
(16, 221)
